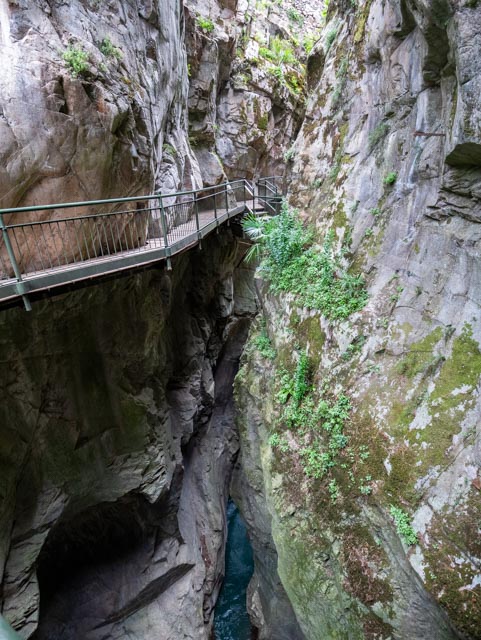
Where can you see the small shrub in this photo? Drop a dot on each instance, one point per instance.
(279, 52)
(319, 458)
(263, 122)
(277, 441)
(341, 75)
(403, 526)
(309, 41)
(263, 344)
(274, 440)
(205, 24)
(295, 265)
(295, 16)
(365, 488)
(77, 60)
(301, 379)
(390, 178)
(109, 50)
(289, 155)
(333, 490)
(355, 347)
(169, 149)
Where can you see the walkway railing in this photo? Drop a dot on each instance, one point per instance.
(53, 245)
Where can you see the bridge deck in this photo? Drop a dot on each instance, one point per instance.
(179, 239)
(43, 247)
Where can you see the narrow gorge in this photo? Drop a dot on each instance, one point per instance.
(316, 371)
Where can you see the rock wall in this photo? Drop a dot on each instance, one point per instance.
(386, 159)
(95, 130)
(117, 445)
(93, 93)
(245, 108)
(109, 428)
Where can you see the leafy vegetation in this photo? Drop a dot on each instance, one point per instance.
(295, 16)
(289, 155)
(331, 36)
(355, 347)
(301, 380)
(390, 178)
(309, 41)
(287, 68)
(341, 75)
(205, 24)
(109, 50)
(403, 526)
(169, 149)
(77, 60)
(279, 52)
(263, 344)
(320, 456)
(294, 264)
(323, 421)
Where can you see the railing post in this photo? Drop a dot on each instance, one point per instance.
(21, 289)
(196, 207)
(226, 204)
(163, 221)
(215, 212)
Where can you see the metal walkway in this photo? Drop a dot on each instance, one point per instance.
(43, 247)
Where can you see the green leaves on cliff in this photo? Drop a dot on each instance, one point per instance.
(77, 60)
(294, 264)
(321, 422)
(321, 455)
(403, 526)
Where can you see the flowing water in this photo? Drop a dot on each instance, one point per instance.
(231, 620)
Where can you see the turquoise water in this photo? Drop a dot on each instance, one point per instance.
(231, 621)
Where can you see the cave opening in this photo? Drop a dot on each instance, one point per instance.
(89, 569)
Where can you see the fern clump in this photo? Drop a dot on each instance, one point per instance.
(294, 264)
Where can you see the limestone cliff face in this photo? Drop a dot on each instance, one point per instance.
(116, 459)
(246, 100)
(388, 158)
(109, 428)
(97, 130)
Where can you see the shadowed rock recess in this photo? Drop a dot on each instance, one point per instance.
(352, 442)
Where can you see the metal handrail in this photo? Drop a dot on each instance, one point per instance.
(149, 230)
(91, 203)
